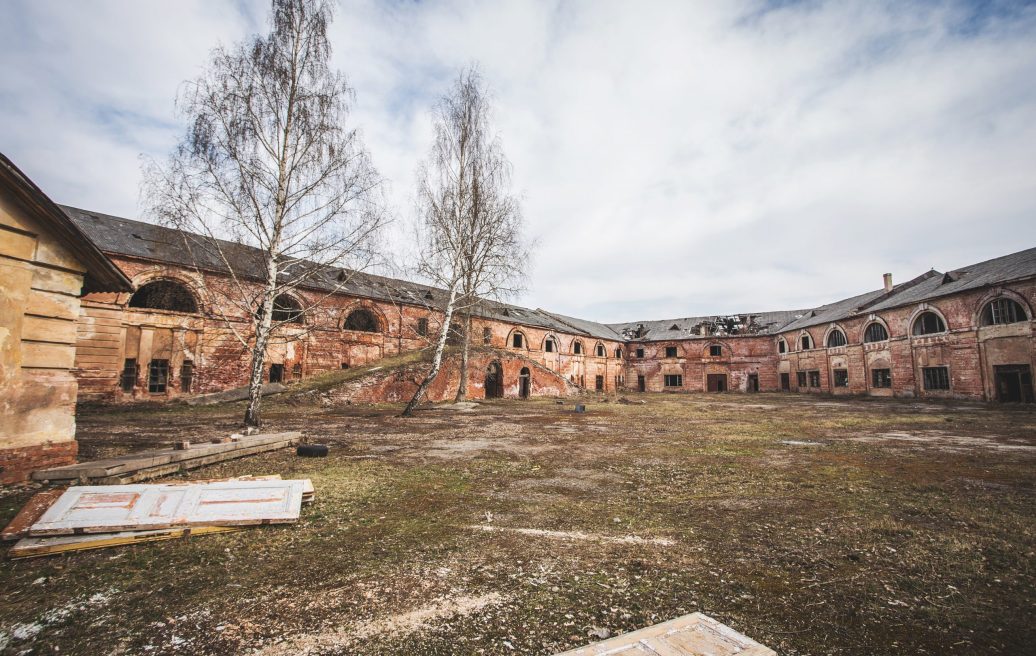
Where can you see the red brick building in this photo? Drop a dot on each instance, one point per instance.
(967, 333)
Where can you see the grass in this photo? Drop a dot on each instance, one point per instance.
(840, 545)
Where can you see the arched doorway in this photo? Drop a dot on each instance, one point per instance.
(494, 381)
(524, 383)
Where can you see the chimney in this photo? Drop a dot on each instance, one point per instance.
(888, 282)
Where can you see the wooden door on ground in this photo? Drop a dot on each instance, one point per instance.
(716, 382)
(785, 382)
(1014, 383)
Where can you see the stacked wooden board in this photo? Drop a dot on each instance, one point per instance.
(93, 517)
(690, 635)
(145, 465)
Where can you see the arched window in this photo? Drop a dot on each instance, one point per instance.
(836, 338)
(577, 347)
(362, 320)
(618, 352)
(928, 323)
(164, 295)
(517, 340)
(599, 350)
(287, 309)
(549, 344)
(782, 346)
(806, 342)
(1002, 310)
(875, 332)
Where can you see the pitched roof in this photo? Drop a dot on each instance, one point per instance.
(101, 273)
(704, 327)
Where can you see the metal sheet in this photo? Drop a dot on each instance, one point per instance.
(690, 635)
(108, 508)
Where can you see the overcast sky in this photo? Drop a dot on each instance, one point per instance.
(675, 158)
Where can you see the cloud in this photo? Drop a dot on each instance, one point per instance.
(675, 158)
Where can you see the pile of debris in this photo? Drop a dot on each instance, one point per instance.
(97, 516)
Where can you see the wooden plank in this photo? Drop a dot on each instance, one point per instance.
(30, 514)
(181, 467)
(110, 508)
(690, 635)
(201, 453)
(37, 547)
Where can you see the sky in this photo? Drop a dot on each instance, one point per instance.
(673, 158)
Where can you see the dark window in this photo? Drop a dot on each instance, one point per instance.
(582, 380)
(881, 378)
(599, 383)
(158, 376)
(814, 379)
(577, 348)
(1002, 310)
(785, 382)
(841, 378)
(517, 340)
(715, 350)
(487, 336)
(835, 338)
(164, 295)
(936, 378)
(276, 373)
(186, 376)
(929, 323)
(345, 365)
(673, 380)
(618, 352)
(130, 371)
(670, 351)
(641, 383)
(807, 342)
(296, 371)
(287, 309)
(422, 327)
(875, 333)
(548, 346)
(640, 352)
(600, 350)
(782, 346)
(801, 377)
(363, 321)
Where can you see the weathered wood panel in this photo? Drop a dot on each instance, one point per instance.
(691, 635)
(108, 508)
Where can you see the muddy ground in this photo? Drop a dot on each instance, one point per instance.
(814, 525)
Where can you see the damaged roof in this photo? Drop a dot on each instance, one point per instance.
(722, 325)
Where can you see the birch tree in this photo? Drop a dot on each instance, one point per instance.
(270, 186)
(469, 224)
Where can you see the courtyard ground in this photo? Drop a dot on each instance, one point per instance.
(813, 525)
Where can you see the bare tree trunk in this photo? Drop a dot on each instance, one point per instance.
(462, 386)
(253, 417)
(440, 346)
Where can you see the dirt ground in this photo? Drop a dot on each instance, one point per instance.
(813, 525)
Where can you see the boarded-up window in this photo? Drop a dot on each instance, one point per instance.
(881, 378)
(186, 376)
(936, 378)
(158, 376)
(296, 371)
(129, 375)
(422, 327)
(673, 380)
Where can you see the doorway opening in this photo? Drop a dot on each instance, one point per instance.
(641, 384)
(599, 383)
(716, 382)
(785, 382)
(753, 382)
(494, 381)
(1013, 383)
(276, 373)
(524, 383)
